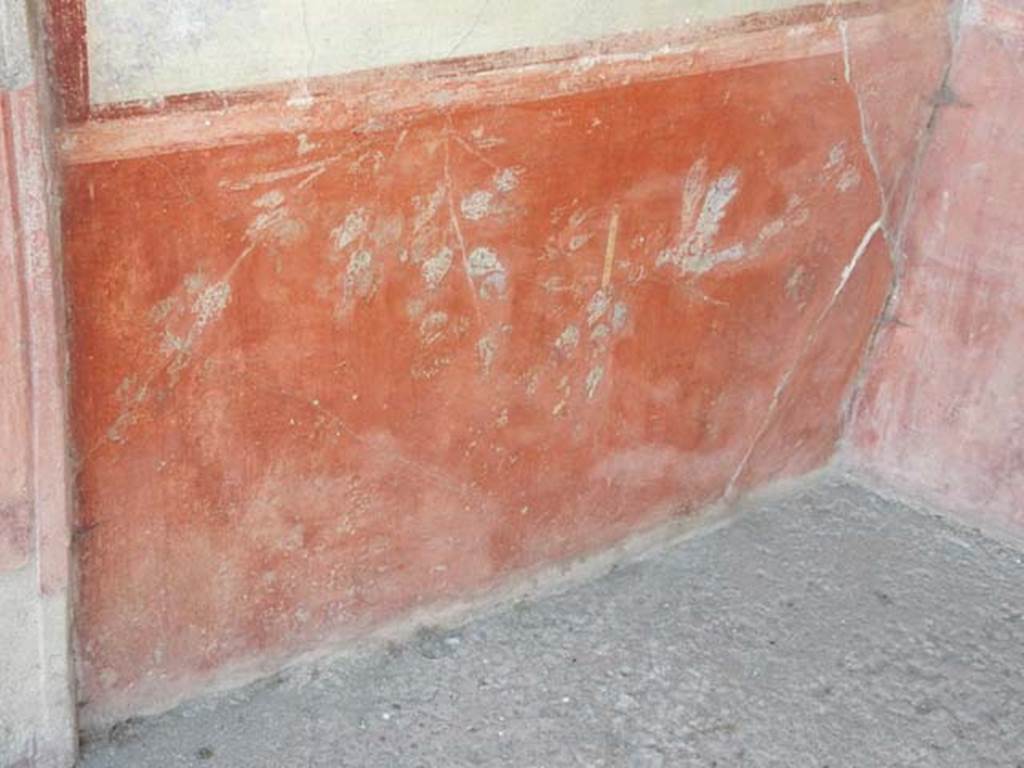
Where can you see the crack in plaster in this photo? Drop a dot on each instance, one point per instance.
(866, 140)
(310, 45)
(456, 224)
(857, 256)
(473, 27)
(787, 377)
(957, 16)
(956, 21)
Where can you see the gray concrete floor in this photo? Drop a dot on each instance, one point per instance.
(827, 628)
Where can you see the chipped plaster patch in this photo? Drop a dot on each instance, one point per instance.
(771, 230)
(351, 229)
(487, 351)
(594, 379)
(210, 304)
(565, 388)
(620, 317)
(694, 187)
(194, 282)
(795, 283)
(415, 308)
(428, 206)
(477, 205)
(850, 179)
(704, 262)
(163, 308)
(425, 370)
(388, 230)
(436, 268)
(484, 261)
(836, 156)
(507, 179)
(849, 176)
(433, 326)
(272, 199)
(597, 307)
(305, 145)
(600, 335)
(275, 226)
(578, 241)
(360, 276)
(704, 208)
(569, 340)
(722, 192)
(485, 266)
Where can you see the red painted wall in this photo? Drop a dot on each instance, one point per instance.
(943, 412)
(333, 365)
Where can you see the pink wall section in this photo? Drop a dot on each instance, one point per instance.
(15, 508)
(34, 500)
(942, 416)
(37, 725)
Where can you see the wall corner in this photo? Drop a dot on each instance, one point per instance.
(37, 701)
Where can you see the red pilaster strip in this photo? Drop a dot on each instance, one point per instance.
(69, 64)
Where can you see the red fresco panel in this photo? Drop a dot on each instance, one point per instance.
(324, 377)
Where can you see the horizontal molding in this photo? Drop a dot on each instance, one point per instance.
(367, 102)
(139, 49)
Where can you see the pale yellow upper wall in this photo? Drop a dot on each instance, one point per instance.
(145, 49)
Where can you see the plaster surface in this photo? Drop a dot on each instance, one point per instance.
(321, 381)
(15, 422)
(942, 417)
(37, 722)
(143, 50)
(329, 376)
(838, 630)
(22, 705)
(15, 55)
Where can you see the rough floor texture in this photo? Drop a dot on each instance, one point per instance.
(828, 628)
